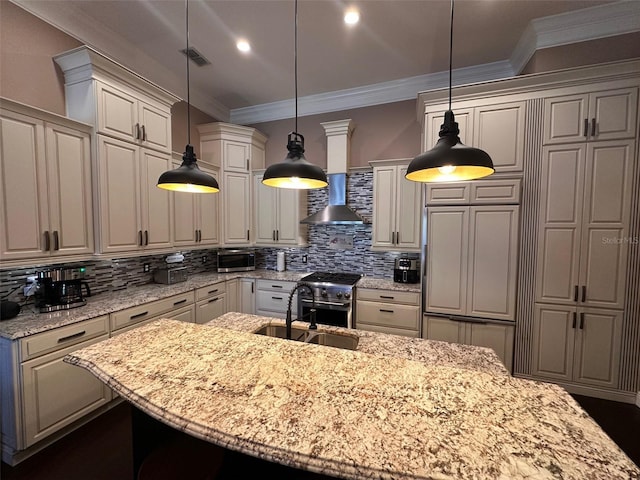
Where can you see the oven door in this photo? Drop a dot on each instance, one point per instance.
(337, 314)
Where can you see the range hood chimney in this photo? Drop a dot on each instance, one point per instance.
(338, 152)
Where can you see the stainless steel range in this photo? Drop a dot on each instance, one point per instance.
(334, 294)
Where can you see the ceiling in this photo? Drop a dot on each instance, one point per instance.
(399, 48)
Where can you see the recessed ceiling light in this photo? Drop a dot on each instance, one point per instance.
(351, 16)
(243, 46)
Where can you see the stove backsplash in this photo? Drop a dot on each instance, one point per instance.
(121, 273)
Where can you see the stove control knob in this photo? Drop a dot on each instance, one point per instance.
(339, 294)
(347, 295)
(324, 293)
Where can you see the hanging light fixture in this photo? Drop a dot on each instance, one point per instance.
(295, 171)
(188, 177)
(450, 160)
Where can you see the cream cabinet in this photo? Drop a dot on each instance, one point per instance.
(237, 150)
(211, 302)
(388, 311)
(577, 344)
(196, 218)
(247, 292)
(233, 295)
(165, 308)
(472, 254)
(601, 115)
(45, 185)
(134, 215)
(397, 208)
(497, 336)
(272, 297)
(277, 214)
(498, 128)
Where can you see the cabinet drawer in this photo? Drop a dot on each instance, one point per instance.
(389, 330)
(217, 288)
(207, 310)
(149, 310)
(46, 342)
(448, 194)
(388, 296)
(387, 315)
(276, 285)
(495, 191)
(273, 301)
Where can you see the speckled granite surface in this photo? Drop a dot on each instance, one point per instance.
(30, 322)
(352, 414)
(386, 284)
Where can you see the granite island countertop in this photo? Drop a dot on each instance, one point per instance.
(351, 414)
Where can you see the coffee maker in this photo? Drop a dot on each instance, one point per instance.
(61, 289)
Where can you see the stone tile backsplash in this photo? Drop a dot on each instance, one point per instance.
(121, 273)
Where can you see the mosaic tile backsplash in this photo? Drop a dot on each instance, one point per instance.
(118, 274)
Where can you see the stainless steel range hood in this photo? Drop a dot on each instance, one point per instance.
(338, 150)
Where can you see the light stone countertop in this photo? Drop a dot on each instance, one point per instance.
(351, 414)
(30, 321)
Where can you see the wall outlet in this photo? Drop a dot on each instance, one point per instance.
(204, 259)
(146, 267)
(304, 259)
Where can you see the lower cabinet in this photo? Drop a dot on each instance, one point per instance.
(272, 298)
(211, 302)
(497, 336)
(233, 295)
(388, 311)
(134, 316)
(577, 345)
(247, 291)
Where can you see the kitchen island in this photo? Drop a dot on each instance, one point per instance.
(399, 413)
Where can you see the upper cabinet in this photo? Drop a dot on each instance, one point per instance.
(397, 207)
(277, 214)
(236, 150)
(601, 115)
(45, 185)
(497, 128)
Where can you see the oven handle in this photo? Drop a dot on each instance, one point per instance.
(320, 302)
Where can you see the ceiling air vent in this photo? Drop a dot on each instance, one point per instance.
(196, 56)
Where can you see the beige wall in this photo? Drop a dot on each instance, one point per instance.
(179, 126)
(381, 132)
(610, 49)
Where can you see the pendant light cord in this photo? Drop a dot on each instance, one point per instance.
(188, 89)
(295, 60)
(450, 52)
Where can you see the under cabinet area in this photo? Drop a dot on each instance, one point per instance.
(272, 297)
(388, 311)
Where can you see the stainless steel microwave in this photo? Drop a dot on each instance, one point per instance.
(236, 260)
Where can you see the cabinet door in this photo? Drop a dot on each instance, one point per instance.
(155, 127)
(443, 329)
(433, 122)
(120, 196)
(605, 231)
(207, 310)
(70, 203)
(553, 341)
(597, 354)
(384, 201)
(288, 231)
(614, 114)
(265, 211)
(232, 295)
(209, 214)
(564, 119)
(447, 258)
(24, 216)
(236, 155)
(56, 394)
(157, 216)
(184, 218)
(247, 295)
(560, 221)
(498, 337)
(499, 131)
(404, 317)
(117, 112)
(493, 259)
(408, 211)
(236, 208)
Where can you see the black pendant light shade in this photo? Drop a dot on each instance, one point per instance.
(188, 177)
(450, 160)
(295, 171)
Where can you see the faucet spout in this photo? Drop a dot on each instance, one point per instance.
(288, 318)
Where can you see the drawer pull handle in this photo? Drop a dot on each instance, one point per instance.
(212, 291)
(138, 315)
(388, 297)
(179, 302)
(277, 298)
(214, 300)
(386, 311)
(72, 336)
(276, 286)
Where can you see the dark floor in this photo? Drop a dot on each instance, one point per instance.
(102, 449)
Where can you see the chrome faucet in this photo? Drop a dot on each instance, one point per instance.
(312, 313)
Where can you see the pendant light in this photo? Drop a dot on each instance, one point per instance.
(188, 177)
(295, 171)
(450, 160)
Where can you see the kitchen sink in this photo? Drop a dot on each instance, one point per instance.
(318, 337)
